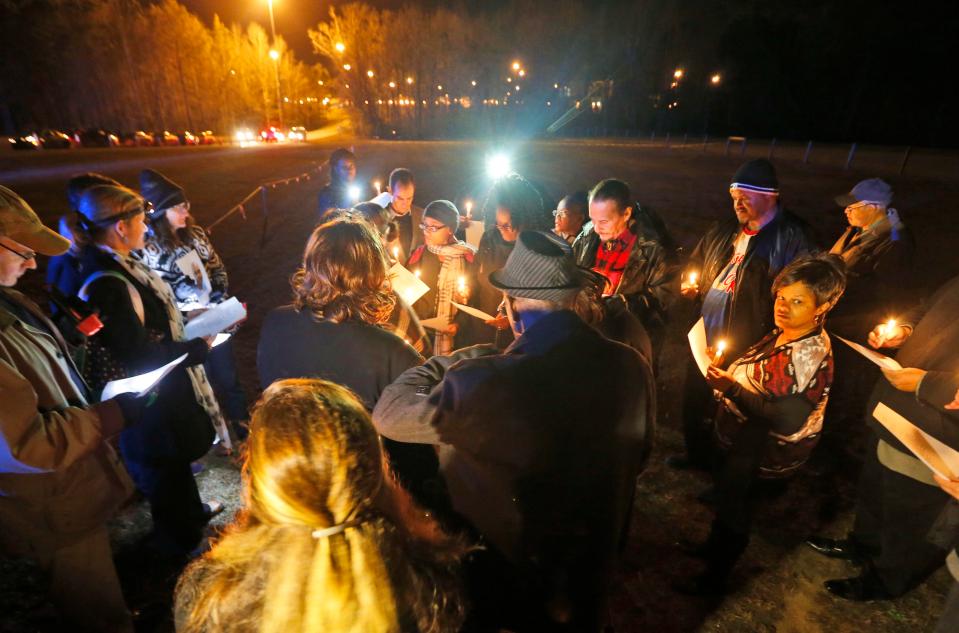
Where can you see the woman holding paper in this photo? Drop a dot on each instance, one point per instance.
(143, 330)
(771, 408)
(445, 264)
(181, 252)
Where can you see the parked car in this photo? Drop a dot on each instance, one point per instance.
(207, 137)
(270, 135)
(187, 138)
(96, 137)
(297, 133)
(55, 139)
(165, 138)
(25, 142)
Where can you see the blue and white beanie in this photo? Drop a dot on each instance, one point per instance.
(758, 176)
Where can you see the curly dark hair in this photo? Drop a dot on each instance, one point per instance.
(343, 275)
(524, 203)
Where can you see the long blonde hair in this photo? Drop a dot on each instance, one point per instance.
(314, 462)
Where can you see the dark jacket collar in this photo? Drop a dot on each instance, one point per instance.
(549, 331)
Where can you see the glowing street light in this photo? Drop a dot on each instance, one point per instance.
(340, 47)
(369, 74)
(439, 86)
(347, 67)
(409, 81)
(473, 83)
(678, 73)
(392, 84)
(274, 54)
(516, 66)
(522, 73)
(715, 79)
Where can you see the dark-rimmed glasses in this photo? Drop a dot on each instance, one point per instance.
(25, 256)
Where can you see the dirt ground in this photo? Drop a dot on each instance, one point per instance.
(777, 585)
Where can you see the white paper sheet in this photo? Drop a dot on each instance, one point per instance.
(698, 344)
(406, 284)
(218, 318)
(220, 338)
(473, 312)
(192, 266)
(883, 361)
(141, 384)
(435, 323)
(941, 459)
(474, 232)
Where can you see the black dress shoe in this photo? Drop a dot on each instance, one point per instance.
(836, 548)
(859, 588)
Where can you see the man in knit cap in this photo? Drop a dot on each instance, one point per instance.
(538, 465)
(730, 274)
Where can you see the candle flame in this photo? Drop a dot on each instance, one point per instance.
(692, 278)
(417, 273)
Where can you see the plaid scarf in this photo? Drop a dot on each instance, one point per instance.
(453, 260)
(611, 259)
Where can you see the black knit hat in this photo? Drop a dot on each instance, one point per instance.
(160, 191)
(541, 266)
(756, 175)
(444, 211)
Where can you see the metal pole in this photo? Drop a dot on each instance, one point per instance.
(852, 153)
(742, 151)
(705, 142)
(667, 140)
(905, 159)
(276, 65)
(805, 157)
(772, 147)
(727, 146)
(685, 138)
(266, 216)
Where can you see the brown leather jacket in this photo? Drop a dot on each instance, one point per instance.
(59, 478)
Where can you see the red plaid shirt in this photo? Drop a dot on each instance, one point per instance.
(611, 258)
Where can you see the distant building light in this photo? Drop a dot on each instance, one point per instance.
(347, 67)
(339, 47)
(678, 73)
(715, 79)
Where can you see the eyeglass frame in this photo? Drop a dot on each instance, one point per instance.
(30, 254)
(505, 227)
(560, 212)
(427, 228)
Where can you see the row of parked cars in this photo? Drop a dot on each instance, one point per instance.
(95, 137)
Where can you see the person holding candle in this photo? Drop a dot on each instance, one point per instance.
(734, 265)
(340, 192)
(445, 264)
(770, 417)
(406, 216)
(899, 500)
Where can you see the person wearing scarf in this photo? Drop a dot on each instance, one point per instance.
(770, 414)
(445, 264)
(143, 330)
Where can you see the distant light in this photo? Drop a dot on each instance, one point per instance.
(497, 166)
(715, 79)
(509, 80)
(522, 73)
(232, 72)
(392, 84)
(320, 82)
(674, 84)
(549, 104)
(439, 87)
(286, 99)
(354, 192)
(516, 66)
(473, 83)
(340, 47)
(376, 185)
(555, 86)
(369, 74)
(678, 73)
(347, 67)
(409, 81)
(517, 88)
(274, 54)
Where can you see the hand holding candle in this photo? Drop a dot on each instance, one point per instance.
(396, 253)
(462, 290)
(889, 334)
(690, 285)
(720, 350)
(376, 185)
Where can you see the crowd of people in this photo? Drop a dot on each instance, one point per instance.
(463, 458)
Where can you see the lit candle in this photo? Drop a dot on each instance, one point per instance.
(396, 252)
(417, 273)
(888, 328)
(692, 278)
(469, 208)
(720, 350)
(376, 185)
(461, 285)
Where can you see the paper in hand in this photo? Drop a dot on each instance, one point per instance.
(883, 361)
(219, 339)
(141, 384)
(218, 318)
(192, 266)
(474, 232)
(434, 323)
(698, 344)
(941, 459)
(406, 284)
(473, 312)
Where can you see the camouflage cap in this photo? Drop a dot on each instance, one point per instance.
(18, 222)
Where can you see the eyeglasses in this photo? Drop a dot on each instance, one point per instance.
(504, 227)
(432, 229)
(25, 256)
(560, 213)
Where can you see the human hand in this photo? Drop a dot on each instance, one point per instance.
(452, 329)
(689, 290)
(501, 322)
(951, 486)
(195, 313)
(906, 379)
(719, 379)
(952, 406)
(884, 335)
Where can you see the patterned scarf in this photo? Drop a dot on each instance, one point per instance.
(201, 386)
(453, 260)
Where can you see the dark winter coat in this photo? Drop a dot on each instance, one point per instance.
(750, 314)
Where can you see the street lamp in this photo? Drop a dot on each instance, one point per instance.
(409, 81)
(339, 47)
(347, 67)
(522, 73)
(369, 74)
(392, 84)
(275, 56)
(715, 79)
(516, 66)
(678, 73)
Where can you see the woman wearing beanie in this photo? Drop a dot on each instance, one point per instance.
(172, 236)
(143, 331)
(445, 264)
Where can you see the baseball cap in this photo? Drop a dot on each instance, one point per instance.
(870, 190)
(19, 222)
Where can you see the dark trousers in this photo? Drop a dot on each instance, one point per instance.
(220, 368)
(894, 514)
(949, 620)
(699, 407)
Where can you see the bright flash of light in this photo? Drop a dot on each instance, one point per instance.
(340, 47)
(274, 54)
(497, 166)
(354, 192)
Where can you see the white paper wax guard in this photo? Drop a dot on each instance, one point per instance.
(406, 284)
(220, 338)
(216, 319)
(698, 344)
(474, 232)
(883, 361)
(141, 384)
(473, 312)
(941, 459)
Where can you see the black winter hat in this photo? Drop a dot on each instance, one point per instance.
(756, 175)
(160, 191)
(444, 211)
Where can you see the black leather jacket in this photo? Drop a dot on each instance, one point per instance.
(777, 244)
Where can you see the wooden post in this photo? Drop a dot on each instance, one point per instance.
(772, 148)
(905, 159)
(852, 154)
(705, 142)
(685, 138)
(266, 215)
(666, 145)
(805, 157)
